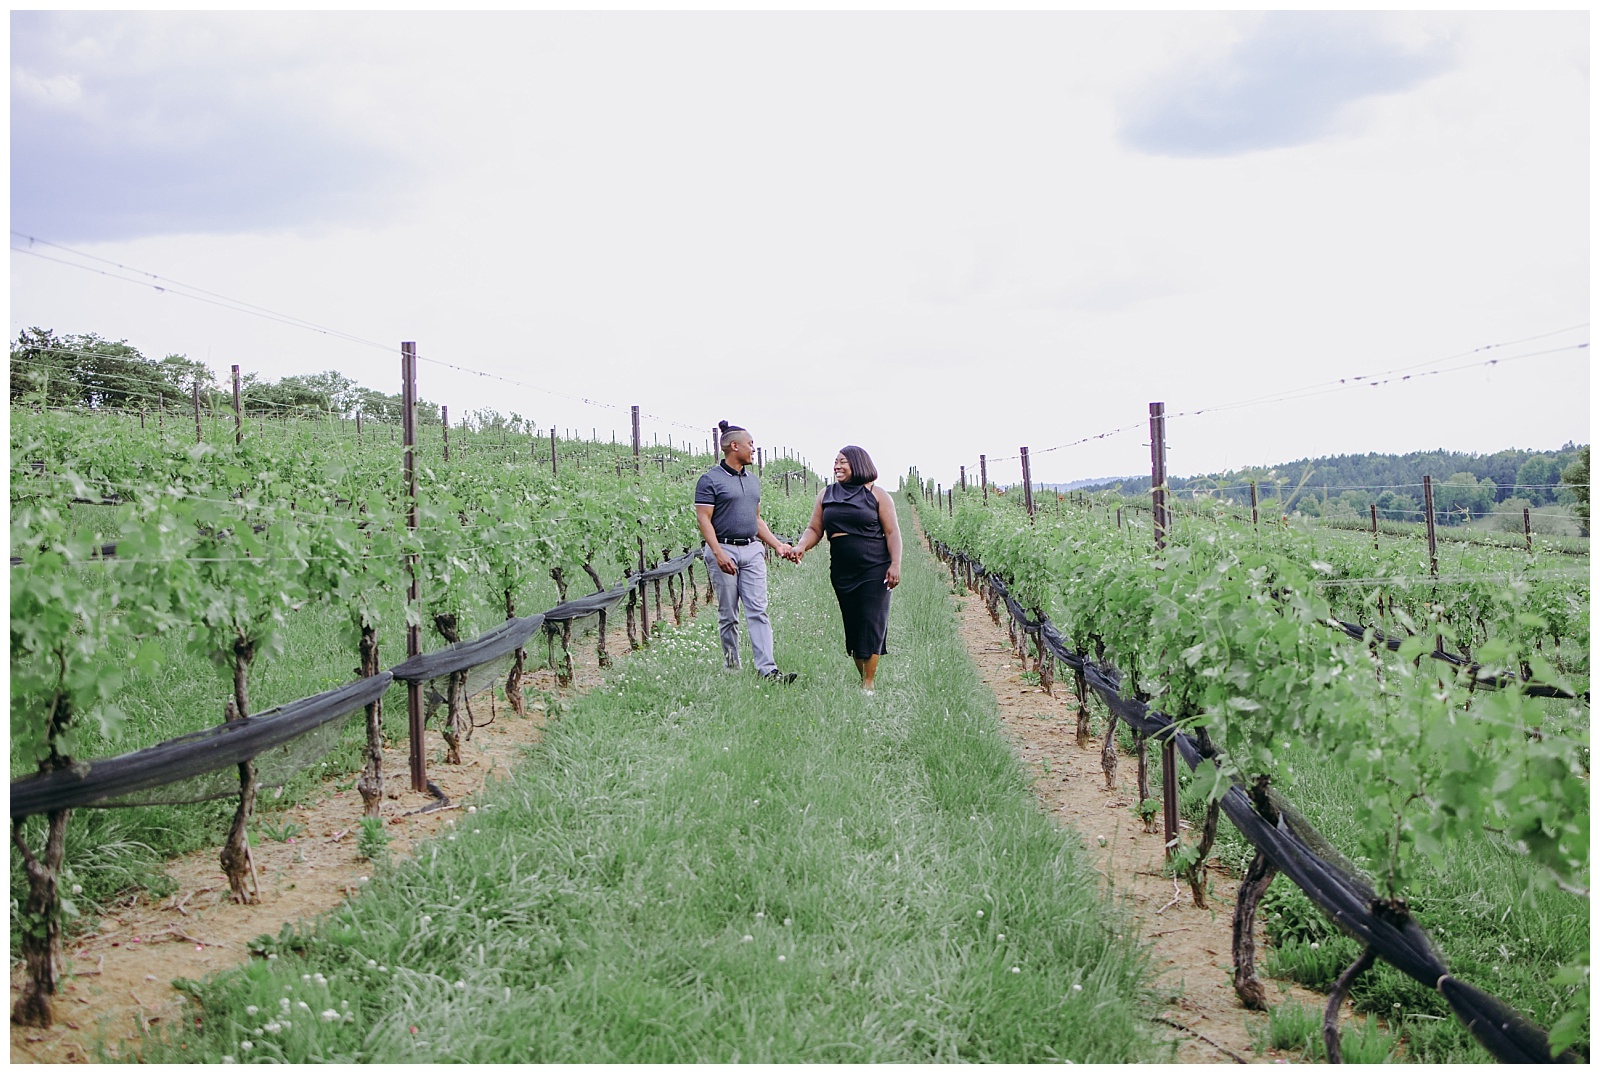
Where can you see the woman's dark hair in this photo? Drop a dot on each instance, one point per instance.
(861, 468)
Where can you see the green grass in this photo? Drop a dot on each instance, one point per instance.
(697, 866)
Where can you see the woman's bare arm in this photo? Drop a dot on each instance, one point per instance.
(891, 531)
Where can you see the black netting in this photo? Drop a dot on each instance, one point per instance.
(1306, 858)
(285, 740)
(203, 765)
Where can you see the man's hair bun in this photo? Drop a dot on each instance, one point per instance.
(723, 425)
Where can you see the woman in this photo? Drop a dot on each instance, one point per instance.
(864, 539)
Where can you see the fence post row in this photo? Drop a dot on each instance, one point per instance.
(238, 419)
(635, 411)
(408, 436)
(1158, 508)
(1027, 484)
(1433, 547)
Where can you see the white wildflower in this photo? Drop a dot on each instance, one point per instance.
(330, 1015)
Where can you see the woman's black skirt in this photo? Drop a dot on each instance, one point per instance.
(857, 566)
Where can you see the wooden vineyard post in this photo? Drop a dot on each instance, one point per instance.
(199, 435)
(552, 451)
(1433, 546)
(636, 443)
(408, 436)
(358, 428)
(963, 479)
(760, 455)
(1158, 507)
(444, 416)
(1119, 518)
(141, 417)
(983, 477)
(1255, 517)
(1527, 529)
(238, 415)
(950, 498)
(1427, 507)
(1372, 507)
(1027, 484)
(786, 474)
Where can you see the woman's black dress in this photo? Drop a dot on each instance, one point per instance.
(858, 561)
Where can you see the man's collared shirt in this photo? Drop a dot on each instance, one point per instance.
(734, 497)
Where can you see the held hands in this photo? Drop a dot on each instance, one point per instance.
(891, 577)
(791, 552)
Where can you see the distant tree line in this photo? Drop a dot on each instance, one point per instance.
(94, 373)
(1466, 486)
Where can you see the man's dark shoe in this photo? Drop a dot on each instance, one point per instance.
(783, 678)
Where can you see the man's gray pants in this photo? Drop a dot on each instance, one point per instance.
(748, 587)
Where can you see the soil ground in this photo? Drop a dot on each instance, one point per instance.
(1191, 949)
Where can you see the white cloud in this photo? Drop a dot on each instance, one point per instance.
(1284, 82)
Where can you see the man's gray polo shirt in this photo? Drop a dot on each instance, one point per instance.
(733, 497)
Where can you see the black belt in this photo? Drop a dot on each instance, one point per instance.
(736, 540)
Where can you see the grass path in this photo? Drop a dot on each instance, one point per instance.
(696, 866)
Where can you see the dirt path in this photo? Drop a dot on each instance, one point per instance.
(1191, 948)
(119, 976)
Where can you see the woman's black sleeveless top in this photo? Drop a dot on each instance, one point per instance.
(851, 510)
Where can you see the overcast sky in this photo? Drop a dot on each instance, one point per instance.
(930, 234)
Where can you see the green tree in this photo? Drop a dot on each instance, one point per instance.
(1576, 478)
(1536, 478)
(1462, 497)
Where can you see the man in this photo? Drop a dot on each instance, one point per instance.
(727, 503)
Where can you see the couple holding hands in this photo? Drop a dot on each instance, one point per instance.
(864, 540)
